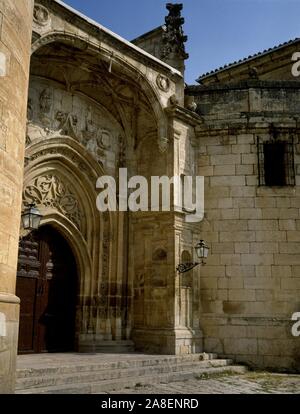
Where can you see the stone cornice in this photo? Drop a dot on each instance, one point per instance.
(243, 128)
(261, 61)
(194, 90)
(191, 118)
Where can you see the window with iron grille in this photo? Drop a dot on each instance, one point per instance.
(276, 162)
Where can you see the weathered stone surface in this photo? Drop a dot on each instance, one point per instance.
(97, 103)
(86, 374)
(16, 21)
(260, 225)
(76, 134)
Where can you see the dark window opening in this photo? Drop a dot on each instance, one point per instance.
(274, 160)
(276, 163)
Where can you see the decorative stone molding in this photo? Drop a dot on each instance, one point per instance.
(41, 15)
(163, 83)
(163, 144)
(173, 101)
(190, 103)
(63, 151)
(173, 37)
(67, 124)
(9, 298)
(51, 192)
(163, 140)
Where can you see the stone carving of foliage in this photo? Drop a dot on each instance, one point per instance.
(49, 191)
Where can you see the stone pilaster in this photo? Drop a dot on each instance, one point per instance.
(15, 37)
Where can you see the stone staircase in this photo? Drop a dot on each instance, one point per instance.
(100, 373)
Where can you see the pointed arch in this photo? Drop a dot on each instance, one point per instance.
(136, 75)
(60, 170)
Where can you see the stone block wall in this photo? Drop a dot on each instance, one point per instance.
(151, 42)
(250, 286)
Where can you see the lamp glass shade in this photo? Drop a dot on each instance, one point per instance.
(31, 218)
(202, 250)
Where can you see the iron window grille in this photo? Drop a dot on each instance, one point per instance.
(276, 166)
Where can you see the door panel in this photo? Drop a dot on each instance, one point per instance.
(47, 286)
(27, 285)
(26, 288)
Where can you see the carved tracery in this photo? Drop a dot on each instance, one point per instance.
(51, 192)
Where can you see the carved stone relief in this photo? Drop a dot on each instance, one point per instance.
(50, 191)
(104, 288)
(53, 112)
(163, 143)
(122, 151)
(29, 110)
(163, 83)
(45, 105)
(41, 15)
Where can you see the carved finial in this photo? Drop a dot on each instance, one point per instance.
(174, 38)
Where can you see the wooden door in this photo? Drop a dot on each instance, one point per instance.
(47, 287)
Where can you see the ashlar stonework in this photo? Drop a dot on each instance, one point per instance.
(96, 103)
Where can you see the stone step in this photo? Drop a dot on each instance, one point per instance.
(112, 347)
(89, 364)
(123, 383)
(115, 374)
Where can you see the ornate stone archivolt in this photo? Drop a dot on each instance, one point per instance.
(53, 112)
(50, 191)
(63, 151)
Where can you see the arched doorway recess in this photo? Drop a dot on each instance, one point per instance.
(47, 284)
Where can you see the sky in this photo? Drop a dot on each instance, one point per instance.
(219, 31)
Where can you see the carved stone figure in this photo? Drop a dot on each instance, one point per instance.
(45, 104)
(67, 124)
(173, 100)
(94, 138)
(45, 101)
(90, 128)
(190, 103)
(29, 110)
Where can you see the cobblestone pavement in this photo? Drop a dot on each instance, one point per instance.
(252, 383)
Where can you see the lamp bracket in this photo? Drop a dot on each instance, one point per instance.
(186, 267)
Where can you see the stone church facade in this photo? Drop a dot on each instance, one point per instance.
(97, 103)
